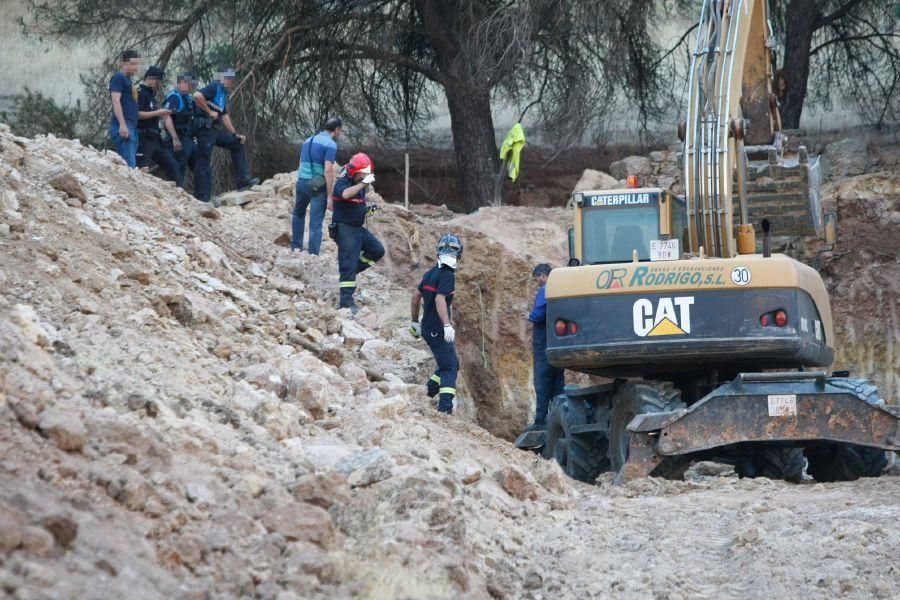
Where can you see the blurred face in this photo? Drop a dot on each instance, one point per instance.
(359, 177)
(337, 133)
(153, 83)
(541, 279)
(227, 81)
(185, 86)
(131, 66)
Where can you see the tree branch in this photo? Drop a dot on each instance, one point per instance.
(676, 46)
(852, 38)
(840, 13)
(182, 33)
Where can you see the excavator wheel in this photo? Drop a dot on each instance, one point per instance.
(636, 398)
(774, 463)
(583, 456)
(846, 462)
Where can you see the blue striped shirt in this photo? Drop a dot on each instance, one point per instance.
(313, 154)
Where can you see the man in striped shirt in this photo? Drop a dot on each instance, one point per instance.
(315, 182)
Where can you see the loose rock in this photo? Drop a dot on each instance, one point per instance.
(516, 484)
(65, 428)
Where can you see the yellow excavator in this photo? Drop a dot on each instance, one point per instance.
(716, 349)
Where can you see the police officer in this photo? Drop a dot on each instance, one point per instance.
(123, 120)
(549, 381)
(211, 113)
(358, 249)
(437, 288)
(150, 146)
(180, 102)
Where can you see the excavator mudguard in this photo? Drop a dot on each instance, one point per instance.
(793, 408)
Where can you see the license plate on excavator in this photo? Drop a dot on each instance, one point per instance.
(783, 405)
(664, 250)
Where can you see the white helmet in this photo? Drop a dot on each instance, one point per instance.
(449, 250)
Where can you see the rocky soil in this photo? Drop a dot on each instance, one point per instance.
(185, 415)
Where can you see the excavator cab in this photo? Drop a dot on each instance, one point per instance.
(610, 226)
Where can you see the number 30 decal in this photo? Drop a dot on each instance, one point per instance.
(740, 275)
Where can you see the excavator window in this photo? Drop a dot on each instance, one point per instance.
(610, 234)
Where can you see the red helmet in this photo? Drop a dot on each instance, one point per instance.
(359, 163)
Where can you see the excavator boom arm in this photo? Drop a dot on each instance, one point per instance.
(731, 67)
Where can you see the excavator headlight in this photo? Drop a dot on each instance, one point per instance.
(560, 327)
(564, 328)
(579, 200)
(777, 318)
(781, 318)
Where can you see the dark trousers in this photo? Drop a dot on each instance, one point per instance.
(549, 382)
(315, 202)
(185, 156)
(358, 250)
(443, 381)
(207, 139)
(150, 147)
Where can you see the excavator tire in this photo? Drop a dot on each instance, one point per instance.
(583, 456)
(774, 463)
(636, 398)
(846, 462)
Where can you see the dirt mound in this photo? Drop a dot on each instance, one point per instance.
(862, 272)
(184, 414)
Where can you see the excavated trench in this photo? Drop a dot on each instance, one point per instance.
(495, 292)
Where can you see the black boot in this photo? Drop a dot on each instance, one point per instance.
(536, 426)
(249, 183)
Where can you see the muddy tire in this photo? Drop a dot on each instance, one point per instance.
(583, 456)
(846, 462)
(556, 446)
(636, 398)
(588, 456)
(774, 463)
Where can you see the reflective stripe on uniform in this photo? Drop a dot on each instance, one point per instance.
(347, 284)
(447, 390)
(436, 378)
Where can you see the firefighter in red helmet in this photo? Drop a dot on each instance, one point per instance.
(358, 249)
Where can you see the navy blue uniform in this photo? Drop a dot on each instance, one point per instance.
(209, 136)
(549, 381)
(150, 146)
(127, 149)
(182, 107)
(440, 280)
(358, 249)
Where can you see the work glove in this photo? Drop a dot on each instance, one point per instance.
(415, 328)
(449, 333)
(369, 179)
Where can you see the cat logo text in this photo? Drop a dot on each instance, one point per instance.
(668, 316)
